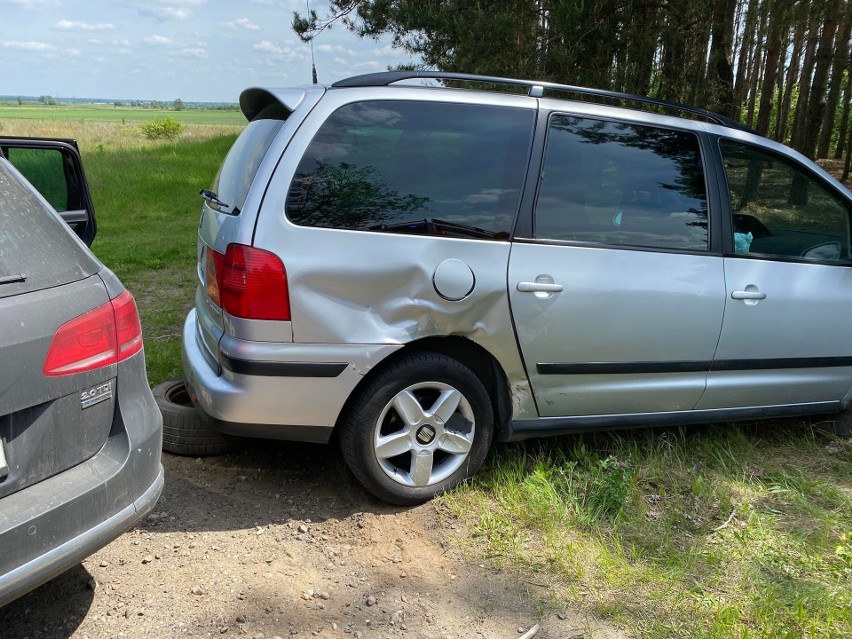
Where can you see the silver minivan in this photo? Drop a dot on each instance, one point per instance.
(422, 269)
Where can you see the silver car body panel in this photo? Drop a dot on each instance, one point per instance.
(804, 318)
(604, 314)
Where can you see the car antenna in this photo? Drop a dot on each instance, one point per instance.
(313, 63)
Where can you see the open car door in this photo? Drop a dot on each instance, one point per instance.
(55, 168)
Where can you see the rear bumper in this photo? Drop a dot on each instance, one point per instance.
(276, 390)
(51, 526)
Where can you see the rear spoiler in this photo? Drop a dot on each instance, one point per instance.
(263, 104)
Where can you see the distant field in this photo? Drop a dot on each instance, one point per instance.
(106, 113)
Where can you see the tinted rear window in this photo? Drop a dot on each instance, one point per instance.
(235, 176)
(415, 167)
(37, 250)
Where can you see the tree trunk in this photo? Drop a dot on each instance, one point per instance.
(777, 20)
(844, 119)
(746, 46)
(805, 78)
(754, 74)
(720, 73)
(792, 74)
(816, 100)
(841, 49)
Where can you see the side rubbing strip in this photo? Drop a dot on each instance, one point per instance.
(631, 368)
(284, 369)
(621, 368)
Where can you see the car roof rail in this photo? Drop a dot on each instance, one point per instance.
(534, 89)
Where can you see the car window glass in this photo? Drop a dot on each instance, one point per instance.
(779, 210)
(414, 167)
(235, 176)
(625, 184)
(37, 250)
(44, 169)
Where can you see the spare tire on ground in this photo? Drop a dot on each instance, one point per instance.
(184, 429)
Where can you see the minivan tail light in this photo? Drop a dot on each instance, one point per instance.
(103, 336)
(248, 282)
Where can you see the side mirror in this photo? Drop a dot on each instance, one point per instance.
(55, 169)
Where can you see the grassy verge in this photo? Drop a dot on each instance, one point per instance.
(722, 531)
(146, 199)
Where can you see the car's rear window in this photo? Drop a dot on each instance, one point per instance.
(37, 250)
(428, 168)
(235, 176)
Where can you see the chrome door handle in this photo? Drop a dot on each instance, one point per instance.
(748, 295)
(539, 287)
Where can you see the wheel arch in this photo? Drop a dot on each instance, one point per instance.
(479, 360)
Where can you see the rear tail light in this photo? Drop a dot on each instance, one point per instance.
(105, 335)
(248, 282)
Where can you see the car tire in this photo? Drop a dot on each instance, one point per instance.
(184, 429)
(423, 425)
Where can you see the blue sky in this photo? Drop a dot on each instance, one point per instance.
(196, 50)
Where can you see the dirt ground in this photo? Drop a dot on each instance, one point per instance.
(278, 541)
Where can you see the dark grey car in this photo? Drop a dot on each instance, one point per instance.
(80, 433)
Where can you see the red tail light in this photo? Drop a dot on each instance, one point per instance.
(248, 282)
(105, 335)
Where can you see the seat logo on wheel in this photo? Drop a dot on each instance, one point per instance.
(426, 434)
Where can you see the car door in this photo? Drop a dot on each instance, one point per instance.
(55, 169)
(785, 336)
(616, 296)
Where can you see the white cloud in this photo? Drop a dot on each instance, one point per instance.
(157, 39)
(73, 52)
(339, 60)
(83, 26)
(27, 46)
(370, 64)
(173, 12)
(125, 51)
(387, 50)
(196, 52)
(268, 47)
(243, 23)
(328, 48)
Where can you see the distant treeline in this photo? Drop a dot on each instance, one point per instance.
(176, 105)
(781, 66)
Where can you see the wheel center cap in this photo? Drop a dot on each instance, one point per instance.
(425, 434)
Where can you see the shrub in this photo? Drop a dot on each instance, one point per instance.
(162, 128)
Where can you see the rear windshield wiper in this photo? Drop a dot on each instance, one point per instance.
(12, 279)
(435, 226)
(222, 207)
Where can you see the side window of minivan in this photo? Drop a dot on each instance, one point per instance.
(780, 211)
(415, 167)
(625, 184)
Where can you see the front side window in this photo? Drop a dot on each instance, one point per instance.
(414, 167)
(624, 184)
(779, 210)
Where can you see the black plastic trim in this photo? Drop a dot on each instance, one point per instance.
(631, 368)
(390, 77)
(283, 369)
(520, 429)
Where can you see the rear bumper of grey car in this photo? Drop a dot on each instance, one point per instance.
(51, 526)
(275, 390)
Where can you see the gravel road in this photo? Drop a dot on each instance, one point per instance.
(277, 541)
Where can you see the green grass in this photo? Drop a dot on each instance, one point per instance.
(725, 531)
(147, 208)
(105, 113)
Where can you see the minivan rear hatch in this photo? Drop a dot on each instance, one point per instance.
(230, 216)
